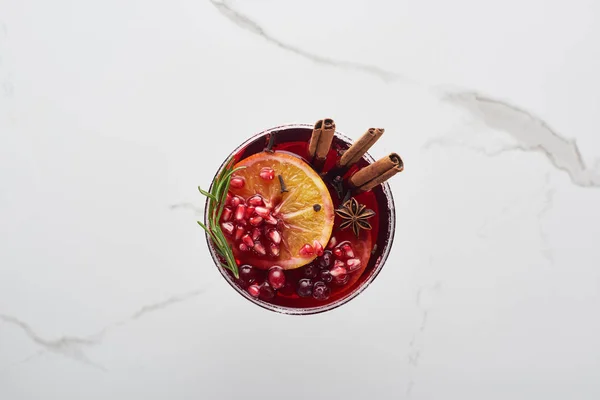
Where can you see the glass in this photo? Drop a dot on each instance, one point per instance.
(300, 133)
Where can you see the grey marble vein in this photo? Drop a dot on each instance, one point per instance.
(74, 347)
(246, 23)
(147, 309)
(531, 133)
(22, 361)
(67, 346)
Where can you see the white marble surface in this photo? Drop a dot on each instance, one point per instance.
(107, 291)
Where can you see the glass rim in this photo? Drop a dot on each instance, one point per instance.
(350, 295)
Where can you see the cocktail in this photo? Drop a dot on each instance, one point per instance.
(299, 219)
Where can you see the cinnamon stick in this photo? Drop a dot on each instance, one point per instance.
(360, 147)
(376, 173)
(321, 139)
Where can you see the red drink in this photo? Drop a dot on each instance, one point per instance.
(349, 260)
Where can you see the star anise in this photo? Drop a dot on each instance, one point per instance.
(355, 215)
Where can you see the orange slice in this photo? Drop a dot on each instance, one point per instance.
(302, 213)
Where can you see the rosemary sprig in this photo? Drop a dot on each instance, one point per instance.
(216, 202)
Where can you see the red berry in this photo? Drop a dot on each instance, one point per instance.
(254, 290)
(304, 288)
(276, 277)
(255, 233)
(338, 263)
(307, 250)
(237, 182)
(227, 227)
(256, 220)
(247, 273)
(267, 173)
(320, 291)
(226, 214)
(326, 276)
(228, 198)
(325, 260)
(266, 291)
(310, 271)
(337, 252)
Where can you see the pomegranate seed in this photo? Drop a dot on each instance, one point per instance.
(332, 242)
(320, 291)
(310, 271)
(353, 264)
(228, 198)
(326, 276)
(226, 214)
(338, 263)
(337, 271)
(304, 288)
(274, 249)
(254, 290)
(256, 200)
(255, 233)
(266, 291)
(240, 212)
(249, 212)
(271, 220)
(259, 248)
(262, 211)
(307, 250)
(243, 247)
(318, 248)
(227, 228)
(274, 236)
(267, 173)
(337, 252)
(348, 249)
(237, 182)
(276, 277)
(239, 231)
(256, 220)
(247, 240)
(325, 260)
(236, 201)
